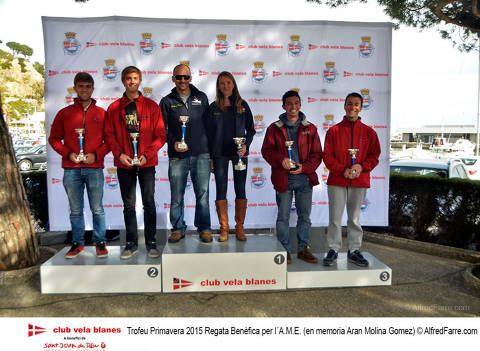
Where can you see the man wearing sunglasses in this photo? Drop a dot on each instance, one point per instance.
(186, 100)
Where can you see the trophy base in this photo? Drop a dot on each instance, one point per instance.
(240, 167)
(81, 158)
(182, 146)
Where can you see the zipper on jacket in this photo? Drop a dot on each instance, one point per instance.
(351, 144)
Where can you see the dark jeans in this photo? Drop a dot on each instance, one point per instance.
(128, 188)
(220, 166)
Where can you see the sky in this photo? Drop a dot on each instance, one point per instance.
(432, 82)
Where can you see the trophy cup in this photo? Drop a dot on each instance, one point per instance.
(240, 166)
(289, 144)
(353, 154)
(184, 120)
(81, 156)
(135, 161)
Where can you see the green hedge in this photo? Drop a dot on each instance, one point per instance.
(433, 209)
(35, 183)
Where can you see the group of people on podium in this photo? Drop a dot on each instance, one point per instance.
(205, 138)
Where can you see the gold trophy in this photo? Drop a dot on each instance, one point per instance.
(135, 161)
(184, 120)
(81, 156)
(353, 154)
(289, 144)
(240, 166)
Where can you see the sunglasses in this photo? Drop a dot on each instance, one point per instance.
(180, 76)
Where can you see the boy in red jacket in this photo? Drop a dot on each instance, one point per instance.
(351, 152)
(297, 177)
(135, 123)
(80, 126)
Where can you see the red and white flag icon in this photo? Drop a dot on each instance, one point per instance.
(180, 283)
(35, 330)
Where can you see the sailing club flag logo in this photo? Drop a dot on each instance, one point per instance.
(52, 73)
(180, 283)
(35, 330)
(312, 46)
(71, 46)
(110, 71)
(239, 47)
(347, 74)
(90, 44)
(366, 48)
(164, 45)
(221, 45)
(56, 180)
(367, 99)
(147, 46)
(295, 47)
(330, 73)
(276, 74)
(258, 72)
(310, 100)
(202, 73)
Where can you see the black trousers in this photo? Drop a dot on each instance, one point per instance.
(128, 188)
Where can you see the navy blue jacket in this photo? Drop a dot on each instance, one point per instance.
(243, 127)
(195, 134)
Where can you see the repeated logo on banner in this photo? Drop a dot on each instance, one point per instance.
(266, 59)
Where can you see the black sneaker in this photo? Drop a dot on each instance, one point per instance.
(357, 258)
(152, 250)
(331, 258)
(129, 250)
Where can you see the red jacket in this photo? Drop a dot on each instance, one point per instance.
(309, 152)
(350, 135)
(152, 131)
(63, 128)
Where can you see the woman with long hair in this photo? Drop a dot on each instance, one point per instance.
(229, 120)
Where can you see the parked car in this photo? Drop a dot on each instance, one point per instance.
(21, 149)
(472, 164)
(445, 168)
(35, 158)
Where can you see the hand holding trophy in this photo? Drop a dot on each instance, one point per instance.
(135, 161)
(240, 166)
(353, 154)
(289, 145)
(81, 156)
(184, 120)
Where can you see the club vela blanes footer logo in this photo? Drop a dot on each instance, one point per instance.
(35, 330)
(111, 179)
(180, 283)
(330, 73)
(259, 125)
(70, 97)
(367, 99)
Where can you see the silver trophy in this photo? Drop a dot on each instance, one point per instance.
(81, 156)
(289, 144)
(184, 120)
(240, 166)
(353, 154)
(135, 161)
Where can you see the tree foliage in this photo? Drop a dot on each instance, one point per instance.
(456, 20)
(21, 49)
(19, 108)
(39, 68)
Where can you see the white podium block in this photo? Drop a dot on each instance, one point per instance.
(301, 274)
(256, 264)
(88, 274)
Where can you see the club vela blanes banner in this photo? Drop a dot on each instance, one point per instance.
(323, 60)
